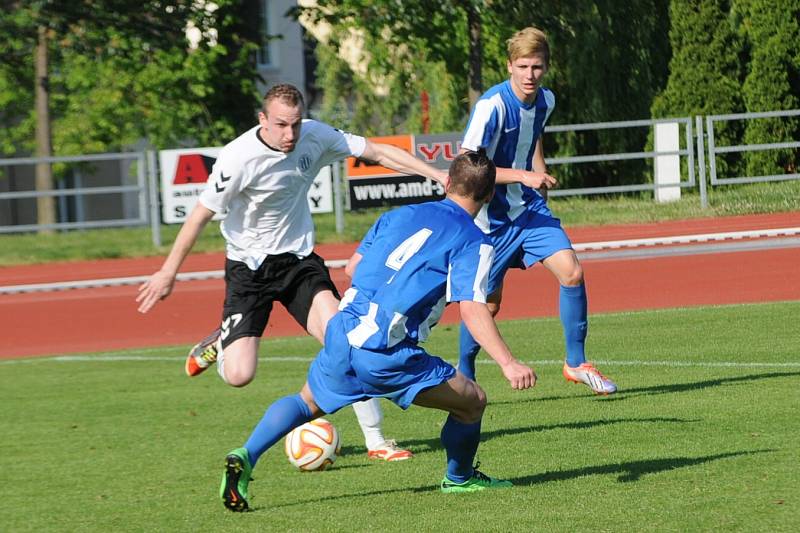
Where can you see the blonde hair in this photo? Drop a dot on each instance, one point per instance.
(527, 42)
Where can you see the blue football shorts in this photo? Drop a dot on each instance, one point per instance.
(533, 236)
(341, 374)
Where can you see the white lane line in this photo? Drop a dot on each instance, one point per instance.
(687, 239)
(340, 263)
(692, 249)
(100, 358)
(106, 282)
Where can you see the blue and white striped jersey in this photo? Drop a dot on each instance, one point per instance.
(416, 259)
(508, 130)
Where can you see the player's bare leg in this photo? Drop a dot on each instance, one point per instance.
(465, 401)
(237, 362)
(323, 306)
(565, 267)
(573, 311)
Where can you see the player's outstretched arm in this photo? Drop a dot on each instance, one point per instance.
(534, 180)
(538, 178)
(401, 161)
(160, 284)
(481, 325)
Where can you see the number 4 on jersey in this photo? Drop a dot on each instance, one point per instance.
(407, 249)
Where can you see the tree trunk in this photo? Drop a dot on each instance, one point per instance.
(475, 52)
(45, 205)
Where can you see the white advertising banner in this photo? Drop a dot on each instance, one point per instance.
(184, 173)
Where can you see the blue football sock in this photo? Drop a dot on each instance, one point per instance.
(573, 312)
(468, 350)
(460, 441)
(279, 419)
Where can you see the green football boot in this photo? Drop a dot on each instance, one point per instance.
(235, 480)
(478, 481)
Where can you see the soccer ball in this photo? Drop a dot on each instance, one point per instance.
(313, 446)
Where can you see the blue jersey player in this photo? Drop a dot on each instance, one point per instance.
(411, 263)
(507, 122)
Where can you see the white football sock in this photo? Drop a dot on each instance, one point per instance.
(221, 363)
(370, 416)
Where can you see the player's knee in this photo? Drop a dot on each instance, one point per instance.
(237, 362)
(237, 377)
(475, 413)
(477, 405)
(573, 276)
(317, 331)
(494, 307)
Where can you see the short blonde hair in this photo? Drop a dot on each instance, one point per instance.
(527, 42)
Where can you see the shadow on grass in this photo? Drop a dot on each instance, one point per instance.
(349, 466)
(630, 471)
(625, 393)
(696, 385)
(434, 444)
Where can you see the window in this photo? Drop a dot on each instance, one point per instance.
(267, 54)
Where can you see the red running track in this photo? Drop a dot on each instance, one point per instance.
(105, 319)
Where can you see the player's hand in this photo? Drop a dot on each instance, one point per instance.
(158, 287)
(443, 177)
(519, 376)
(539, 180)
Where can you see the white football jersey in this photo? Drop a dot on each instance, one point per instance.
(264, 191)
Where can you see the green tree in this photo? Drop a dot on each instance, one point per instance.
(706, 70)
(772, 32)
(120, 73)
(609, 60)
(407, 48)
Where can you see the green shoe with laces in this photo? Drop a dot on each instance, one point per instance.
(235, 480)
(478, 481)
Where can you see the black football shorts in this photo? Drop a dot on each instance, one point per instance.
(285, 278)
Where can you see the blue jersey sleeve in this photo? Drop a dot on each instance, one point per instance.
(468, 275)
(368, 239)
(482, 126)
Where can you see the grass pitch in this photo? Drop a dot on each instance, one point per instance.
(702, 436)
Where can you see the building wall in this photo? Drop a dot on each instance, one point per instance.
(284, 62)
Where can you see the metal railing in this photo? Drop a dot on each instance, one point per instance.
(695, 139)
(713, 149)
(145, 189)
(688, 151)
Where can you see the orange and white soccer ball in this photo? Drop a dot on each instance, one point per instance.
(313, 446)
